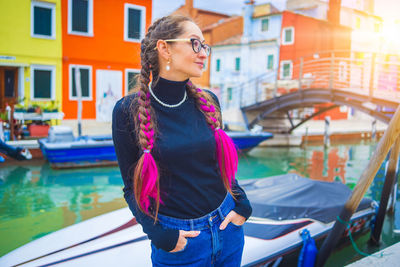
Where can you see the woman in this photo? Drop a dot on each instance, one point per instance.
(178, 167)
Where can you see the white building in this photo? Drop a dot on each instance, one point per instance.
(242, 62)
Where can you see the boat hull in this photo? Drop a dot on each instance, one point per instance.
(246, 141)
(81, 153)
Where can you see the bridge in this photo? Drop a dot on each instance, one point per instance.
(367, 82)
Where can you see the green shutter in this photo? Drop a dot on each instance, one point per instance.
(229, 94)
(288, 35)
(84, 82)
(237, 64)
(286, 70)
(134, 23)
(218, 65)
(80, 15)
(264, 25)
(270, 64)
(42, 21)
(42, 84)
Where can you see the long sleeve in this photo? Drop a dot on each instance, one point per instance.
(128, 154)
(243, 206)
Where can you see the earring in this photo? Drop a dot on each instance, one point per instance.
(168, 67)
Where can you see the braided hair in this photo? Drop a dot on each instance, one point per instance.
(146, 177)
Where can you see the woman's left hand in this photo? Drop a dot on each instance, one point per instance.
(234, 218)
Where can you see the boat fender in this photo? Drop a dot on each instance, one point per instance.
(309, 251)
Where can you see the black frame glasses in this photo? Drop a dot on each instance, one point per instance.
(197, 45)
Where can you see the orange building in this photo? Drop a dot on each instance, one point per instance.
(311, 39)
(101, 43)
(216, 27)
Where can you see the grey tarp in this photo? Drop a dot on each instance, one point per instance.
(291, 196)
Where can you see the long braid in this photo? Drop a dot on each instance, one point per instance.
(225, 149)
(146, 176)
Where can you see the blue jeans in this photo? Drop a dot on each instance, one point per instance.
(212, 247)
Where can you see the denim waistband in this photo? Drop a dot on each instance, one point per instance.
(215, 216)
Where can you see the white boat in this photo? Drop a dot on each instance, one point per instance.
(282, 207)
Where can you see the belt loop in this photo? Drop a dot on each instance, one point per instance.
(191, 225)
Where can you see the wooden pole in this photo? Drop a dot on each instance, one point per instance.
(382, 149)
(390, 180)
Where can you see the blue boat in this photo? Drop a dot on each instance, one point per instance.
(63, 150)
(245, 141)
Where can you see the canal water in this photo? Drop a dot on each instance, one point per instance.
(36, 200)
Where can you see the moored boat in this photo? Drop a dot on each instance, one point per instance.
(63, 150)
(282, 207)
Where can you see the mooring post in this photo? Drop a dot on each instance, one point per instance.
(327, 141)
(373, 133)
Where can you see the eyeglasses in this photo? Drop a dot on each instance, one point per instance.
(196, 44)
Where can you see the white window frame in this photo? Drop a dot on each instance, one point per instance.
(90, 20)
(143, 22)
(283, 62)
(52, 83)
(261, 24)
(127, 78)
(84, 98)
(284, 35)
(51, 6)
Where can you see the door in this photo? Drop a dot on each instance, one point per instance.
(8, 86)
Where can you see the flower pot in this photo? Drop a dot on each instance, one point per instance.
(38, 130)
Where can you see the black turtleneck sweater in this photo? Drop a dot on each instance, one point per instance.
(190, 180)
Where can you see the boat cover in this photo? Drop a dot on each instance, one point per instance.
(291, 196)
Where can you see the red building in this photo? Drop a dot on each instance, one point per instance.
(102, 40)
(307, 45)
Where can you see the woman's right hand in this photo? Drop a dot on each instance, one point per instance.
(180, 245)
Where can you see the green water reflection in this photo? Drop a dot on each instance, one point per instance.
(36, 200)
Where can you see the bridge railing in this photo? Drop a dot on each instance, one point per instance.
(373, 74)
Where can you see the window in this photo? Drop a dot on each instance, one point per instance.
(43, 20)
(264, 25)
(130, 79)
(270, 62)
(286, 69)
(86, 82)
(237, 64)
(80, 17)
(288, 36)
(42, 82)
(229, 93)
(218, 65)
(135, 22)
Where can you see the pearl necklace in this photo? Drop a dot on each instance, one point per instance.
(165, 104)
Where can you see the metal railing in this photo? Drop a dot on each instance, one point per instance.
(372, 74)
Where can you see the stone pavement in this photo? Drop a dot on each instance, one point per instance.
(390, 257)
